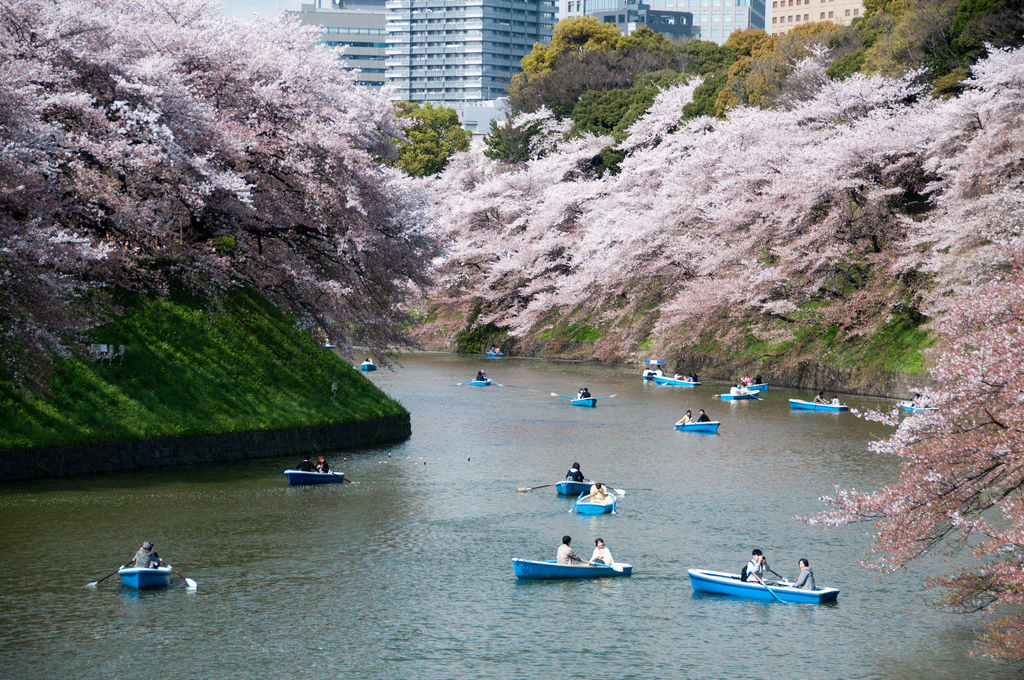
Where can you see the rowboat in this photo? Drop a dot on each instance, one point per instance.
(551, 569)
(909, 406)
(589, 402)
(801, 405)
(759, 387)
(706, 426)
(570, 488)
(662, 380)
(729, 396)
(303, 477)
(367, 367)
(480, 383)
(584, 506)
(495, 355)
(143, 579)
(722, 583)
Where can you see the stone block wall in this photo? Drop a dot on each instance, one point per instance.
(146, 453)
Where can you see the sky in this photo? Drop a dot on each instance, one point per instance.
(243, 8)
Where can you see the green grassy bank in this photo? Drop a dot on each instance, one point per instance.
(191, 368)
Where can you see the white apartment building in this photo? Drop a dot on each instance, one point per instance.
(459, 53)
(358, 26)
(785, 14)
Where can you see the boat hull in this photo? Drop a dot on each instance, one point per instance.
(145, 579)
(589, 403)
(574, 489)
(801, 405)
(737, 397)
(722, 583)
(662, 380)
(537, 569)
(709, 426)
(495, 355)
(760, 387)
(585, 507)
(910, 408)
(302, 477)
(480, 383)
(367, 367)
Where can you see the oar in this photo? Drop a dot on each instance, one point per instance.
(524, 489)
(192, 585)
(464, 382)
(495, 382)
(96, 583)
(768, 589)
(562, 396)
(608, 397)
(621, 492)
(577, 501)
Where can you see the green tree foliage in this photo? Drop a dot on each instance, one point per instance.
(508, 143)
(434, 136)
(578, 35)
(613, 111)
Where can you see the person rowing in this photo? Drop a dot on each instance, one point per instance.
(685, 420)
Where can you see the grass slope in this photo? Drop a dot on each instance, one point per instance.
(191, 369)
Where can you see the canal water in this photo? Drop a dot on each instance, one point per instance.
(406, 572)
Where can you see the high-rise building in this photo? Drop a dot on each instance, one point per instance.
(358, 25)
(785, 14)
(458, 53)
(629, 15)
(712, 20)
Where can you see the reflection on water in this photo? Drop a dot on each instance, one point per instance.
(407, 572)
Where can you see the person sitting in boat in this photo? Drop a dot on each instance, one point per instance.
(574, 473)
(693, 377)
(598, 493)
(367, 362)
(746, 381)
(806, 579)
(835, 400)
(480, 375)
(758, 380)
(321, 465)
(602, 555)
(566, 556)
(685, 419)
(584, 393)
(820, 399)
(146, 557)
(757, 567)
(676, 376)
(306, 465)
(703, 417)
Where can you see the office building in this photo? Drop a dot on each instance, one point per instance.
(459, 53)
(785, 14)
(628, 15)
(358, 25)
(712, 20)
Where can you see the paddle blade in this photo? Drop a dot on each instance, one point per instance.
(192, 585)
(621, 492)
(92, 585)
(522, 489)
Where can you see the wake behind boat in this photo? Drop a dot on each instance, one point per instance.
(537, 569)
(723, 583)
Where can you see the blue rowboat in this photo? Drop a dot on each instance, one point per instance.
(584, 506)
(736, 397)
(722, 583)
(495, 355)
(144, 579)
(760, 387)
(707, 426)
(302, 477)
(909, 406)
(589, 402)
(367, 367)
(652, 367)
(527, 569)
(662, 380)
(480, 383)
(570, 488)
(801, 405)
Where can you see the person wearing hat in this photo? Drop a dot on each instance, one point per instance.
(146, 557)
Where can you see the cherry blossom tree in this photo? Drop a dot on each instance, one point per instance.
(961, 484)
(152, 142)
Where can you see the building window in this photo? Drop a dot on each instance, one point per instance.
(847, 12)
(856, 12)
(823, 14)
(830, 15)
(774, 20)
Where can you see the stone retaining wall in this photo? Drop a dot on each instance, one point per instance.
(146, 453)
